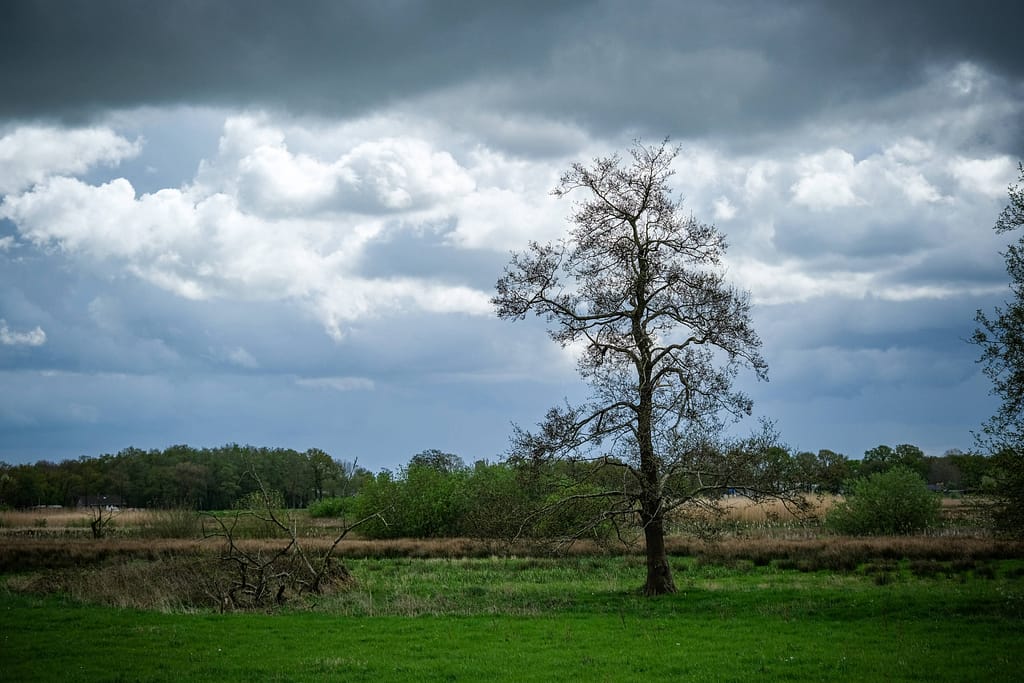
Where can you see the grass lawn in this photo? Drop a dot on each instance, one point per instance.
(574, 618)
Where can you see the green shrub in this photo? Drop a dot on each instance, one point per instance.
(497, 503)
(893, 502)
(331, 507)
(379, 496)
(1007, 485)
(494, 502)
(570, 513)
(422, 503)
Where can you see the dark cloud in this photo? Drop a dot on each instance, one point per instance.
(969, 271)
(930, 418)
(743, 70)
(850, 374)
(684, 68)
(72, 59)
(853, 324)
(845, 243)
(923, 31)
(107, 322)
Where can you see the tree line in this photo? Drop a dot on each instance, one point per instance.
(182, 476)
(218, 478)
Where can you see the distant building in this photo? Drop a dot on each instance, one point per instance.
(106, 502)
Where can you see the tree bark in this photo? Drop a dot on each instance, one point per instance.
(659, 573)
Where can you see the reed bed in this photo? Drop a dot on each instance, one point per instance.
(741, 518)
(177, 575)
(738, 510)
(26, 553)
(64, 518)
(775, 512)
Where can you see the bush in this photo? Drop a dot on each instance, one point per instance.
(497, 503)
(331, 507)
(568, 517)
(422, 503)
(893, 502)
(1007, 475)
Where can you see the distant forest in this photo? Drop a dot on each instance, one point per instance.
(217, 478)
(182, 476)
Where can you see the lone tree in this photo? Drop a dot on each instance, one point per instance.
(638, 286)
(1001, 339)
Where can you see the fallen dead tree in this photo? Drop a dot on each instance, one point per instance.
(268, 574)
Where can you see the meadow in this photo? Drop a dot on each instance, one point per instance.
(772, 602)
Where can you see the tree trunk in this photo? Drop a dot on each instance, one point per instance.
(652, 515)
(659, 573)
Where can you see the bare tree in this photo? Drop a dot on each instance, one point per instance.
(100, 517)
(639, 287)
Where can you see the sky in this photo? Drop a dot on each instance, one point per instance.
(280, 224)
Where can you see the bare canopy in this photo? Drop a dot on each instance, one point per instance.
(638, 286)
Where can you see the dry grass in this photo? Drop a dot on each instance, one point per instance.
(961, 516)
(168, 583)
(64, 533)
(158, 558)
(741, 516)
(22, 553)
(175, 574)
(25, 553)
(68, 518)
(146, 523)
(841, 553)
(774, 512)
(60, 538)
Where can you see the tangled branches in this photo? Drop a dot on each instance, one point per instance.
(259, 577)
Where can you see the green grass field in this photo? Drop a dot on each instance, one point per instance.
(555, 619)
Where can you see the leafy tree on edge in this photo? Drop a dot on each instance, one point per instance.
(1001, 338)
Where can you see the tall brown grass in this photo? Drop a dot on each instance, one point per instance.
(742, 518)
(64, 518)
(180, 575)
(26, 553)
(768, 512)
(166, 559)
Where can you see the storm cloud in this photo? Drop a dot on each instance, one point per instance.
(244, 221)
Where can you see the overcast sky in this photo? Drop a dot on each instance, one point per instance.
(280, 223)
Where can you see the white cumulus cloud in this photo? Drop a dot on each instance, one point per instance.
(30, 154)
(723, 209)
(985, 176)
(826, 180)
(261, 222)
(34, 337)
(273, 216)
(384, 175)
